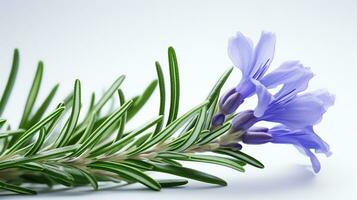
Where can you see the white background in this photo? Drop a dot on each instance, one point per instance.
(96, 41)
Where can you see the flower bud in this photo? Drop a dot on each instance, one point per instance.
(256, 138)
(233, 146)
(217, 120)
(231, 103)
(243, 121)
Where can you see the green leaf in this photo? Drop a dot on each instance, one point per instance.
(108, 94)
(10, 82)
(174, 86)
(161, 79)
(168, 161)
(173, 155)
(98, 106)
(166, 183)
(92, 180)
(218, 86)
(169, 130)
(37, 145)
(142, 139)
(140, 102)
(177, 141)
(67, 101)
(2, 122)
(96, 151)
(26, 135)
(58, 175)
(231, 117)
(5, 134)
(191, 139)
(16, 189)
(212, 135)
(139, 164)
(211, 111)
(37, 178)
(214, 94)
(53, 123)
(189, 173)
(123, 118)
(42, 109)
(32, 96)
(73, 118)
(241, 156)
(91, 104)
(125, 140)
(88, 130)
(55, 153)
(126, 170)
(97, 134)
(237, 165)
(32, 166)
(4, 145)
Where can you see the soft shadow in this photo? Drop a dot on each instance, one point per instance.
(292, 178)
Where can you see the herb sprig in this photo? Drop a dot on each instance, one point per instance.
(99, 148)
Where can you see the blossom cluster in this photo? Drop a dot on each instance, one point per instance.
(293, 110)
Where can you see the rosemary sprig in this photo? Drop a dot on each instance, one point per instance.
(98, 148)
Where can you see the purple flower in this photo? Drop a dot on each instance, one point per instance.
(304, 140)
(243, 121)
(289, 109)
(292, 109)
(253, 63)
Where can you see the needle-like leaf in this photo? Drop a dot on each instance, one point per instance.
(15, 188)
(37, 145)
(212, 135)
(41, 156)
(27, 134)
(95, 136)
(193, 136)
(4, 134)
(125, 140)
(174, 85)
(241, 156)
(123, 118)
(126, 170)
(166, 183)
(42, 109)
(237, 165)
(10, 82)
(140, 102)
(73, 119)
(2, 122)
(189, 173)
(32, 96)
(169, 130)
(161, 79)
(218, 86)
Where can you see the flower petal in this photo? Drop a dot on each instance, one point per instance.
(316, 166)
(240, 51)
(304, 140)
(325, 97)
(264, 99)
(294, 76)
(263, 53)
(298, 83)
(287, 72)
(302, 111)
